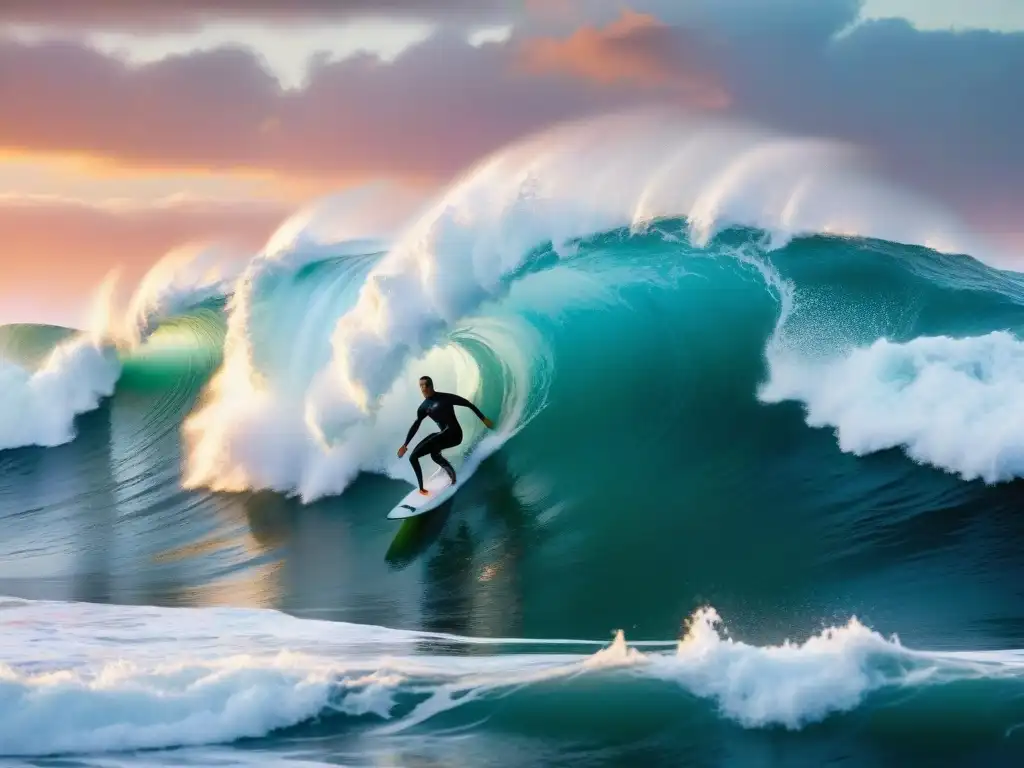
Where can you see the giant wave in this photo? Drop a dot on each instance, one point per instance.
(314, 389)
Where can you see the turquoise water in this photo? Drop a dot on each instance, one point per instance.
(732, 444)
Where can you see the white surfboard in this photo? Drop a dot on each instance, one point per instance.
(415, 503)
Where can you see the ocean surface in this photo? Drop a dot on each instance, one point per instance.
(751, 498)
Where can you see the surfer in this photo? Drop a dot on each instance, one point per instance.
(440, 406)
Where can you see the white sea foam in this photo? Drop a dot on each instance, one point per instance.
(111, 678)
(39, 407)
(953, 403)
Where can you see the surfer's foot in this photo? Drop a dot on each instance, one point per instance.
(424, 493)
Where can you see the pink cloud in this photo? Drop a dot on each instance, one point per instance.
(635, 49)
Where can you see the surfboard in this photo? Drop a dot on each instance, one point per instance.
(415, 503)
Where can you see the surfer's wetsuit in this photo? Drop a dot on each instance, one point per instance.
(440, 407)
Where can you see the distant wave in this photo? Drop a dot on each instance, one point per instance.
(46, 389)
(38, 407)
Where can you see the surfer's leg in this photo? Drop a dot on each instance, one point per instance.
(442, 462)
(423, 448)
(444, 440)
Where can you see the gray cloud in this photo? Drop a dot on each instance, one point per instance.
(942, 111)
(151, 15)
(441, 105)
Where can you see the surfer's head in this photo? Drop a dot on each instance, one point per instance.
(426, 386)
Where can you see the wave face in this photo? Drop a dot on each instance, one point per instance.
(747, 432)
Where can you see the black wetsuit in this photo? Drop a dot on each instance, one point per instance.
(440, 407)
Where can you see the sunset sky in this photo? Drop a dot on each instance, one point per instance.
(131, 127)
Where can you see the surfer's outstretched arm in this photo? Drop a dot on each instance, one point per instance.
(459, 400)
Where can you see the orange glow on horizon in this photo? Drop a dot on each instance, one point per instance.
(291, 187)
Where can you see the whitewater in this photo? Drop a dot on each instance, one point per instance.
(235, 682)
(755, 408)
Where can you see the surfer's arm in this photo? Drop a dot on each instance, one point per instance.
(459, 400)
(415, 425)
